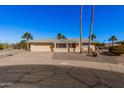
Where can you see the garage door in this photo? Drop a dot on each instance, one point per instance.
(40, 47)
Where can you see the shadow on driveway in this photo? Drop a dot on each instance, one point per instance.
(53, 76)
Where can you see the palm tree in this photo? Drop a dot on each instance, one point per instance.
(81, 50)
(27, 36)
(93, 36)
(113, 39)
(91, 27)
(61, 36)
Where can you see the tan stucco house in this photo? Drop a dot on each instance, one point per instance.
(59, 45)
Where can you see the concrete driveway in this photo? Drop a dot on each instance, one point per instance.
(36, 69)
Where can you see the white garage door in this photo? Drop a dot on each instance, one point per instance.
(40, 47)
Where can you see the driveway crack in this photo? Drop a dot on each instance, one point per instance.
(76, 78)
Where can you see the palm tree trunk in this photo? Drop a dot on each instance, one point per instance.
(91, 27)
(81, 7)
(27, 44)
(112, 42)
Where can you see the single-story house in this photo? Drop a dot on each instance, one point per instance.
(59, 45)
(120, 42)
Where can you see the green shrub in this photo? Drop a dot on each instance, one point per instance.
(117, 49)
(20, 45)
(4, 46)
(1, 47)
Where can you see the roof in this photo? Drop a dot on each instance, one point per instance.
(53, 40)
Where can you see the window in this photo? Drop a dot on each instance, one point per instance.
(61, 45)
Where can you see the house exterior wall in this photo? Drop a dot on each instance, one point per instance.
(46, 47)
(85, 47)
(60, 50)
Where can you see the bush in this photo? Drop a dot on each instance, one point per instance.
(4, 46)
(118, 50)
(21, 45)
(1, 47)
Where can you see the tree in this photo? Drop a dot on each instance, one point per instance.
(91, 27)
(93, 36)
(81, 50)
(113, 39)
(27, 36)
(61, 36)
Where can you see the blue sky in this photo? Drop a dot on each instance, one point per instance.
(47, 21)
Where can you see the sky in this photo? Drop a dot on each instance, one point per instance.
(47, 21)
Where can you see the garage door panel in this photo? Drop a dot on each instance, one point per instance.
(45, 48)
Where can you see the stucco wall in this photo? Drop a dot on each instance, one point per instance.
(60, 50)
(46, 48)
(85, 48)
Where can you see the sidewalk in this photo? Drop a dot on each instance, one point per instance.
(29, 58)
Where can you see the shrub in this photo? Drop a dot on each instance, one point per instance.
(4, 46)
(117, 49)
(1, 47)
(20, 45)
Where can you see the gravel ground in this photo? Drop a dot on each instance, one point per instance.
(10, 52)
(83, 57)
(104, 56)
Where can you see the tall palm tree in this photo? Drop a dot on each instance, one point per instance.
(113, 39)
(91, 27)
(27, 36)
(81, 8)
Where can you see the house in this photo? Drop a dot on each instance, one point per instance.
(120, 42)
(59, 45)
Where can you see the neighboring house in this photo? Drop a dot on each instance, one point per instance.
(59, 45)
(109, 45)
(120, 42)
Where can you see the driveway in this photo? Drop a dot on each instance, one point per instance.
(49, 76)
(38, 69)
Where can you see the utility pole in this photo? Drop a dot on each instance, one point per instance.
(81, 8)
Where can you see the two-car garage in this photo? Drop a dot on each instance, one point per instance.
(40, 47)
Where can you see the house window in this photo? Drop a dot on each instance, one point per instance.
(61, 45)
(73, 45)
